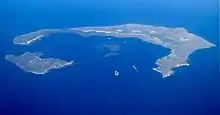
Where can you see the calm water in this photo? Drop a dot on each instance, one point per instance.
(90, 87)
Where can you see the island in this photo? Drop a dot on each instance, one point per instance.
(110, 49)
(180, 42)
(31, 62)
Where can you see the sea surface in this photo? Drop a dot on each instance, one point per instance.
(89, 87)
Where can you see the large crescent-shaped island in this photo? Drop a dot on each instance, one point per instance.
(180, 42)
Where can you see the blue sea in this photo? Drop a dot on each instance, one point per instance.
(90, 88)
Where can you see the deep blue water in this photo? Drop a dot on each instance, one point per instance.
(90, 87)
